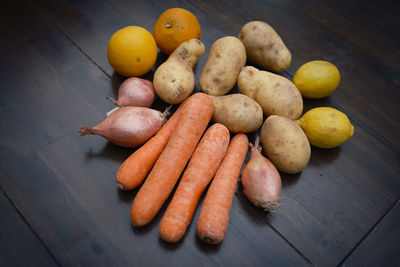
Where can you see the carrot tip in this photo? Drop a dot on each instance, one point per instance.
(137, 223)
(120, 186)
(209, 240)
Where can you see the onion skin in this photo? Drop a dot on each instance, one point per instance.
(128, 126)
(135, 92)
(261, 180)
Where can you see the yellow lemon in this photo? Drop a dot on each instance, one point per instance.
(132, 51)
(326, 127)
(317, 79)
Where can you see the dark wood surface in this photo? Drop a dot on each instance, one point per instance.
(19, 244)
(382, 244)
(58, 199)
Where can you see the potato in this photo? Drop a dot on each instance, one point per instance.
(239, 113)
(275, 94)
(285, 144)
(226, 58)
(264, 47)
(174, 79)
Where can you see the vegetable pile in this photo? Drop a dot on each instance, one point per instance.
(183, 150)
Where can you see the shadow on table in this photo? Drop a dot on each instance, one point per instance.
(289, 179)
(126, 196)
(112, 152)
(117, 79)
(146, 229)
(255, 214)
(171, 246)
(204, 247)
(323, 156)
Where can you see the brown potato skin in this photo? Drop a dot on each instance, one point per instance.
(239, 113)
(264, 46)
(174, 79)
(275, 94)
(226, 58)
(285, 144)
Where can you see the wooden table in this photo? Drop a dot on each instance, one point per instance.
(58, 200)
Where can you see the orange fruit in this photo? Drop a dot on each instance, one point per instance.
(175, 26)
(132, 51)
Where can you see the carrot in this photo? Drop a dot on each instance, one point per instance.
(195, 117)
(198, 174)
(135, 168)
(214, 213)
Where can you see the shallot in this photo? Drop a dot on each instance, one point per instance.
(135, 92)
(128, 126)
(261, 180)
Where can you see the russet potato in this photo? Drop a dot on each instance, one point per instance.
(239, 113)
(275, 94)
(174, 79)
(285, 144)
(226, 58)
(264, 46)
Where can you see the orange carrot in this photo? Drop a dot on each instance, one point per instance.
(155, 190)
(198, 174)
(135, 168)
(214, 214)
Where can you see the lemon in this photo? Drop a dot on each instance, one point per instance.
(317, 79)
(132, 51)
(326, 127)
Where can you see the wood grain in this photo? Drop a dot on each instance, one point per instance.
(64, 184)
(54, 78)
(340, 33)
(334, 203)
(335, 31)
(88, 220)
(20, 245)
(382, 246)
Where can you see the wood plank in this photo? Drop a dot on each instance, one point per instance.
(77, 210)
(333, 31)
(324, 30)
(366, 48)
(53, 212)
(19, 245)
(64, 184)
(382, 246)
(325, 210)
(46, 87)
(336, 200)
(342, 193)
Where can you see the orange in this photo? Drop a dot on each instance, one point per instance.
(132, 51)
(175, 26)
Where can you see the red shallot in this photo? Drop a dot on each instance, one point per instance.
(128, 126)
(261, 180)
(135, 92)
